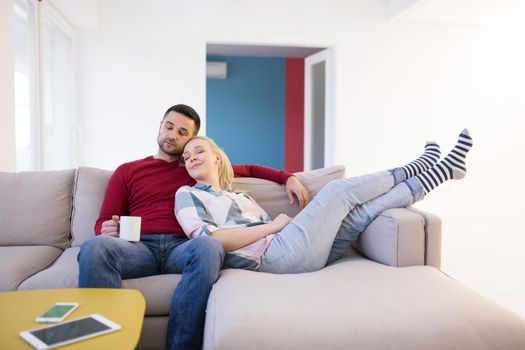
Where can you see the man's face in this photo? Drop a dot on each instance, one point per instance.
(175, 130)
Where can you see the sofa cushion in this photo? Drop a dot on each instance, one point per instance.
(90, 186)
(19, 263)
(63, 273)
(157, 290)
(273, 198)
(35, 208)
(355, 303)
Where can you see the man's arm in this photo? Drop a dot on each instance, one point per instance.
(261, 172)
(115, 203)
(283, 177)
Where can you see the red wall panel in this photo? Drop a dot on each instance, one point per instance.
(294, 114)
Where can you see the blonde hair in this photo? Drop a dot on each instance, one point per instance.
(225, 167)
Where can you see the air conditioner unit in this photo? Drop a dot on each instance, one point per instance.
(216, 70)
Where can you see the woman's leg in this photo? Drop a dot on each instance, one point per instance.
(451, 167)
(305, 243)
(401, 196)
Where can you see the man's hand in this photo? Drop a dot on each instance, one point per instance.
(111, 227)
(295, 187)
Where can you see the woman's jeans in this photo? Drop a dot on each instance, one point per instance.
(335, 217)
(104, 261)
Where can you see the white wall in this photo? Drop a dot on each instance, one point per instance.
(147, 56)
(398, 84)
(419, 82)
(143, 58)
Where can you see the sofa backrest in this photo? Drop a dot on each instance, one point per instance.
(35, 208)
(90, 186)
(273, 198)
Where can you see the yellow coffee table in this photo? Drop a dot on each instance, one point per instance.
(123, 306)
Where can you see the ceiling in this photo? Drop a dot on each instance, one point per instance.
(473, 12)
(260, 50)
(504, 13)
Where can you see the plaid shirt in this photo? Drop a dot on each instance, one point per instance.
(200, 211)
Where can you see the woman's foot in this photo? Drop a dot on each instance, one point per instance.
(427, 160)
(452, 167)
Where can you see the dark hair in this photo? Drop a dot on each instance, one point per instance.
(188, 112)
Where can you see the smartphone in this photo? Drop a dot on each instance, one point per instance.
(57, 312)
(75, 330)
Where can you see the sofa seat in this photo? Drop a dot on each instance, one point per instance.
(17, 263)
(157, 290)
(63, 273)
(355, 303)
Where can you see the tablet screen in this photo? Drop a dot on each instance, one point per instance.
(67, 331)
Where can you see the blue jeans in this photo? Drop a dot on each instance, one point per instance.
(336, 216)
(104, 261)
(359, 218)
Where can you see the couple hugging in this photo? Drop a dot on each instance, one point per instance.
(192, 224)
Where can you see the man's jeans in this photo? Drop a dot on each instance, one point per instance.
(335, 217)
(105, 261)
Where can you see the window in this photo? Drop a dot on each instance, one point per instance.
(57, 124)
(25, 85)
(44, 88)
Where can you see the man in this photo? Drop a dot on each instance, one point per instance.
(146, 188)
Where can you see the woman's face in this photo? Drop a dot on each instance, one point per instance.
(200, 161)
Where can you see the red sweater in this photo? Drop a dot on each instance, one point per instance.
(147, 187)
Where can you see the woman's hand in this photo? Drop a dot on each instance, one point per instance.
(280, 222)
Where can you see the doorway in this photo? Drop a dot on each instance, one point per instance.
(319, 123)
(276, 117)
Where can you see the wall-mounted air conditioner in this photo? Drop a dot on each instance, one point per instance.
(216, 70)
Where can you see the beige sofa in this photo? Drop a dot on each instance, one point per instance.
(387, 293)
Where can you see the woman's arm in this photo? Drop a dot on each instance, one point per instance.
(236, 238)
(193, 217)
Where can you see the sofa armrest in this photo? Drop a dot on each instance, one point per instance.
(432, 237)
(403, 237)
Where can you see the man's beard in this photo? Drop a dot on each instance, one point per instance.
(174, 152)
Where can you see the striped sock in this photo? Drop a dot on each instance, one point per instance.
(427, 160)
(451, 167)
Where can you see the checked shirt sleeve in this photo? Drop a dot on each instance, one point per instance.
(191, 214)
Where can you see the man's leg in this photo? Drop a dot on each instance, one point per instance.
(199, 260)
(104, 261)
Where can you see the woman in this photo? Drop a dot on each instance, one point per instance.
(336, 215)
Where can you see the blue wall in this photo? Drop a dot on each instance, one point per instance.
(245, 112)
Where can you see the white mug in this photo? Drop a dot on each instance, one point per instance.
(130, 228)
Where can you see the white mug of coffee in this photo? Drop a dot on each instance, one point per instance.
(130, 228)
